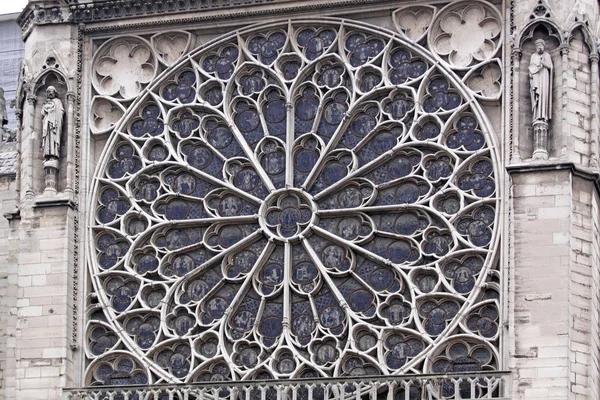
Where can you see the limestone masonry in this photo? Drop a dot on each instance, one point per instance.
(279, 199)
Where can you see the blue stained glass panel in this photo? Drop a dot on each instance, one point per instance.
(357, 211)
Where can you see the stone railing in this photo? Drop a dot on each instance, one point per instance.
(492, 385)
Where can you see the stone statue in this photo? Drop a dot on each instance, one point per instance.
(52, 113)
(540, 79)
(4, 131)
(9, 135)
(3, 114)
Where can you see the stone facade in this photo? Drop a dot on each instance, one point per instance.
(111, 62)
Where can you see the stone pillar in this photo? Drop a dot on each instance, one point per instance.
(51, 176)
(564, 52)
(69, 140)
(19, 117)
(28, 167)
(539, 275)
(516, 55)
(540, 140)
(44, 231)
(594, 111)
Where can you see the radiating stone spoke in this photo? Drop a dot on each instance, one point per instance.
(303, 196)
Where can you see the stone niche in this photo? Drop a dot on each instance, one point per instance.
(49, 79)
(527, 139)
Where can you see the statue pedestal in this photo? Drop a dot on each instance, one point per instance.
(51, 176)
(540, 140)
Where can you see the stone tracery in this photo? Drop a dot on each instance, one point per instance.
(328, 196)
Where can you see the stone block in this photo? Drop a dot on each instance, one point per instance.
(552, 372)
(58, 352)
(31, 311)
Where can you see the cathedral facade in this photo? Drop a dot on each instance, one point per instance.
(277, 199)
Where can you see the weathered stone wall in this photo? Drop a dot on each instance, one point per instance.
(38, 322)
(8, 288)
(553, 231)
(542, 211)
(11, 55)
(554, 258)
(580, 299)
(552, 285)
(574, 131)
(594, 361)
(37, 254)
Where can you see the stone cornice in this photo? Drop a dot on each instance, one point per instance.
(550, 166)
(50, 12)
(61, 11)
(120, 9)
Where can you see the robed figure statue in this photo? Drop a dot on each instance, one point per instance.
(540, 78)
(3, 113)
(52, 113)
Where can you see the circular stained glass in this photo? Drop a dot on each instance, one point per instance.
(316, 217)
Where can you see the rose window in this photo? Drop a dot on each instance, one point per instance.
(295, 202)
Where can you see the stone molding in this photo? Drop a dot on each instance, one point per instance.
(111, 10)
(544, 166)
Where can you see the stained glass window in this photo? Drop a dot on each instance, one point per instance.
(295, 201)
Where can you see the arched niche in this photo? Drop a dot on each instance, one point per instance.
(50, 77)
(550, 34)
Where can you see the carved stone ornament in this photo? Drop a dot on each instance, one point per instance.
(540, 140)
(414, 21)
(486, 81)
(52, 122)
(466, 33)
(106, 112)
(540, 80)
(6, 135)
(122, 67)
(3, 113)
(171, 46)
(295, 200)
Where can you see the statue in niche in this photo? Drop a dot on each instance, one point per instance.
(540, 80)
(540, 77)
(52, 113)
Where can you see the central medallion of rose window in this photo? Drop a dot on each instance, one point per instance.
(286, 214)
(317, 201)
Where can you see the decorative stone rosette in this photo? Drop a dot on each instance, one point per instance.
(295, 202)
(464, 35)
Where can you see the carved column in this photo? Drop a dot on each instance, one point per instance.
(540, 140)
(564, 52)
(19, 118)
(70, 140)
(51, 176)
(516, 54)
(30, 114)
(594, 111)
